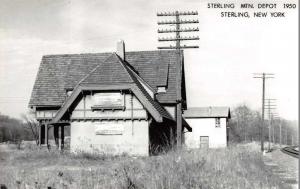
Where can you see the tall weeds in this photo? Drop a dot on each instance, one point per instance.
(233, 167)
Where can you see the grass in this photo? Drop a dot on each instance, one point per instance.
(234, 167)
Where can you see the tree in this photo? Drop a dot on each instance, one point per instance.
(31, 125)
(245, 126)
(12, 129)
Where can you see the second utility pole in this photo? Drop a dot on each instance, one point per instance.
(263, 76)
(270, 107)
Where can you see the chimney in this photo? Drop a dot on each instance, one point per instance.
(121, 49)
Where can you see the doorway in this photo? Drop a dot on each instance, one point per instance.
(204, 142)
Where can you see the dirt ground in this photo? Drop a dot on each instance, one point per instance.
(283, 165)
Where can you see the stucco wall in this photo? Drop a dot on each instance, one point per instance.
(206, 127)
(134, 140)
(130, 122)
(133, 108)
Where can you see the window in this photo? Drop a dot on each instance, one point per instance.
(218, 122)
(69, 91)
(161, 89)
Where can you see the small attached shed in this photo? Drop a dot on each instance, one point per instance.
(210, 127)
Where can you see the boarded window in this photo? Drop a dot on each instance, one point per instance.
(109, 128)
(218, 124)
(108, 101)
(204, 142)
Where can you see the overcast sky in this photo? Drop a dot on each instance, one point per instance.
(219, 73)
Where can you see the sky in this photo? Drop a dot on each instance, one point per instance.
(218, 73)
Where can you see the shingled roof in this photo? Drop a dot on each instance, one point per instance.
(207, 112)
(121, 75)
(58, 73)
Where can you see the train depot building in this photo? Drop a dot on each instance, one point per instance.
(113, 103)
(210, 127)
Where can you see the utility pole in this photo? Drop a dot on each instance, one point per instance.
(276, 119)
(178, 39)
(286, 134)
(280, 133)
(263, 76)
(270, 106)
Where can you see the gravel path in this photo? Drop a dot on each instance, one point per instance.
(284, 166)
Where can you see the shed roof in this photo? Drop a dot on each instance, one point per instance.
(57, 73)
(207, 112)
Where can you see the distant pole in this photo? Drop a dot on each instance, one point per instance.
(263, 76)
(286, 135)
(276, 117)
(277, 122)
(273, 126)
(270, 106)
(178, 38)
(280, 133)
(269, 146)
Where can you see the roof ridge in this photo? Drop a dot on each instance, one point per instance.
(130, 67)
(100, 53)
(138, 84)
(74, 54)
(72, 70)
(78, 84)
(122, 64)
(93, 70)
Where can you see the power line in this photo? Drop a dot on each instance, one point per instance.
(178, 22)
(263, 76)
(270, 108)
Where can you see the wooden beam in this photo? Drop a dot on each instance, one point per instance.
(46, 135)
(106, 118)
(86, 87)
(40, 134)
(155, 114)
(56, 136)
(61, 137)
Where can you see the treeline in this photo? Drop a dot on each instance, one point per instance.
(244, 126)
(14, 130)
(245, 123)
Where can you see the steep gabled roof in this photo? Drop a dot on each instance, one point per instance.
(57, 73)
(114, 74)
(111, 71)
(207, 112)
(142, 90)
(153, 67)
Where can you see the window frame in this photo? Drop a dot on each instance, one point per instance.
(217, 122)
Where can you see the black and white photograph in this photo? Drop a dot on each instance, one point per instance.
(139, 94)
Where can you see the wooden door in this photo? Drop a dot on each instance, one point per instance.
(204, 142)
